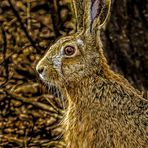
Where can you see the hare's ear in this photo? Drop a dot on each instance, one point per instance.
(90, 14)
(99, 12)
(78, 9)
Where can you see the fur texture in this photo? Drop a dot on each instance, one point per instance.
(104, 110)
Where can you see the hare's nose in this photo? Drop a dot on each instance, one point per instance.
(40, 69)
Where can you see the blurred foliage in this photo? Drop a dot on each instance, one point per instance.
(126, 41)
(29, 114)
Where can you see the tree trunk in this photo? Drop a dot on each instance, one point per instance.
(126, 40)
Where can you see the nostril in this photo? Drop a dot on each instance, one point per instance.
(40, 70)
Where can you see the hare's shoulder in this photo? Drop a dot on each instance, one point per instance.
(122, 102)
(119, 96)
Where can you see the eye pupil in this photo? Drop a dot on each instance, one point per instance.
(69, 50)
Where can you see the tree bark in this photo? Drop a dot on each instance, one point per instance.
(126, 40)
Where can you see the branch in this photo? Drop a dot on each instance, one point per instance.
(55, 15)
(4, 50)
(34, 103)
(23, 27)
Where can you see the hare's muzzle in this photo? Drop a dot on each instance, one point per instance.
(41, 70)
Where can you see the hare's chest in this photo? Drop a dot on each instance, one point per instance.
(79, 131)
(79, 136)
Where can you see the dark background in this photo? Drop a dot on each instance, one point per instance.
(29, 115)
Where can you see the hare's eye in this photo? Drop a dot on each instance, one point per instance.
(69, 50)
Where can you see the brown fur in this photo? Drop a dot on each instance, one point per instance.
(104, 110)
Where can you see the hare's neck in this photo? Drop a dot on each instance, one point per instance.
(82, 92)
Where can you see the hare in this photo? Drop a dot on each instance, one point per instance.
(104, 110)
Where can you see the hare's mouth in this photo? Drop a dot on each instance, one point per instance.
(54, 90)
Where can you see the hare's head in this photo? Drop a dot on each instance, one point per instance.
(74, 57)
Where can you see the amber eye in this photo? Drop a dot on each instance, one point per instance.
(69, 50)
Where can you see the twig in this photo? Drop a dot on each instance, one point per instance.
(54, 106)
(57, 144)
(4, 56)
(55, 15)
(4, 43)
(24, 28)
(28, 16)
(34, 103)
(13, 139)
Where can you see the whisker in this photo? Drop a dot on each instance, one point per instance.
(49, 87)
(63, 103)
(52, 90)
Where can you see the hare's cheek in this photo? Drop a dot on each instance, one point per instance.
(57, 63)
(73, 71)
(67, 70)
(52, 75)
